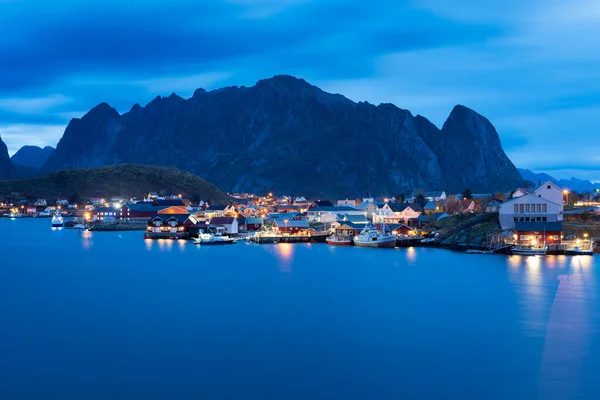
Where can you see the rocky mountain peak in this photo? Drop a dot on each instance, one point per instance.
(5, 164)
(32, 156)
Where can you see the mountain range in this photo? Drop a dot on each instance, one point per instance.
(573, 184)
(32, 156)
(288, 136)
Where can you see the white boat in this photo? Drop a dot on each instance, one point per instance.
(57, 221)
(529, 250)
(207, 238)
(372, 237)
(79, 226)
(580, 251)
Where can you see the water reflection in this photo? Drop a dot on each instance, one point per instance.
(285, 254)
(411, 254)
(148, 244)
(86, 239)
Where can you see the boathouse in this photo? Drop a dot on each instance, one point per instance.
(230, 224)
(170, 225)
(528, 233)
(291, 226)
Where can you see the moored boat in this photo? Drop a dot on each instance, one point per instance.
(339, 240)
(529, 250)
(207, 238)
(370, 236)
(57, 221)
(579, 251)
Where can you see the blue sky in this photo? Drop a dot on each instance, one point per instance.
(532, 67)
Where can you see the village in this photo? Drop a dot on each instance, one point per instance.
(529, 219)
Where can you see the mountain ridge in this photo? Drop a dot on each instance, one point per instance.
(575, 184)
(285, 135)
(32, 156)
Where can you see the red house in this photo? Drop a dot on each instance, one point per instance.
(539, 232)
(291, 226)
(173, 226)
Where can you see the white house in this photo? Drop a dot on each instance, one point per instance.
(41, 203)
(330, 214)
(230, 224)
(370, 207)
(549, 191)
(435, 196)
(396, 213)
(529, 208)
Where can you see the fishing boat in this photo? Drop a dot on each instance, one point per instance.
(339, 240)
(207, 238)
(370, 236)
(57, 221)
(529, 250)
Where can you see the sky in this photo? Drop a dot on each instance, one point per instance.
(531, 67)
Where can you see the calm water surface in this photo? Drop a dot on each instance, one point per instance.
(110, 315)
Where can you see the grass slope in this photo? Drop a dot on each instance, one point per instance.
(115, 180)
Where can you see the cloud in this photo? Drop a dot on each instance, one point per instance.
(33, 104)
(16, 136)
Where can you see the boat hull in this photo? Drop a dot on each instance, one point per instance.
(338, 242)
(56, 225)
(376, 243)
(529, 252)
(579, 252)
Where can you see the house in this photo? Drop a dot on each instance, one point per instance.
(98, 201)
(549, 191)
(522, 191)
(431, 207)
(215, 210)
(170, 225)
(467, 205)
(435, 196)
(31, 210)
(393, 213)
(532, 233)
(62, 202)
(253, 224)
(328, 214)
(370, 207)
(529, 208)
(138, 211)
(493, 206)
(402, 230)
(346, 202)
(41, 203)
(354, 219)
(104, 214)
(230, 224)
(320, 203)
(291, 227)
(349, 229)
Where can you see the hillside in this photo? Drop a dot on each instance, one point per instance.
(290, 137)
(113, 180)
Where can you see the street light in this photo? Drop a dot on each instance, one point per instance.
(566, 193)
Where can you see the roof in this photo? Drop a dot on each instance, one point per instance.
(323, 203)
(351, 225)
(165, 217)
(539, 226)
(357, 219)
(440, 215)
(399, 207)
(105, 209)
(221, 220)
(216, 207)
(143, 207)
(527, 195)
(251, 220)
(293, 223)
(334, 209)
(437, 193)
(430, 205)
(168, 203)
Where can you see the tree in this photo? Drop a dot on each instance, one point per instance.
(421, 200)
(466, 194)
(399, 198)
(453, 206)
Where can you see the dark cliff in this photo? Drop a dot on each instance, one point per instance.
(287, 136)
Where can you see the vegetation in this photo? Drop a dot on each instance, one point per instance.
(115, 180)
(472, 229)
(466, 194)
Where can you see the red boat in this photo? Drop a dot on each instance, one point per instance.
(339, 240)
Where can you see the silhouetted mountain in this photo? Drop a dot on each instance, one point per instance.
(6, 169)
(287, 136)
(574, 184)
(32, 156)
